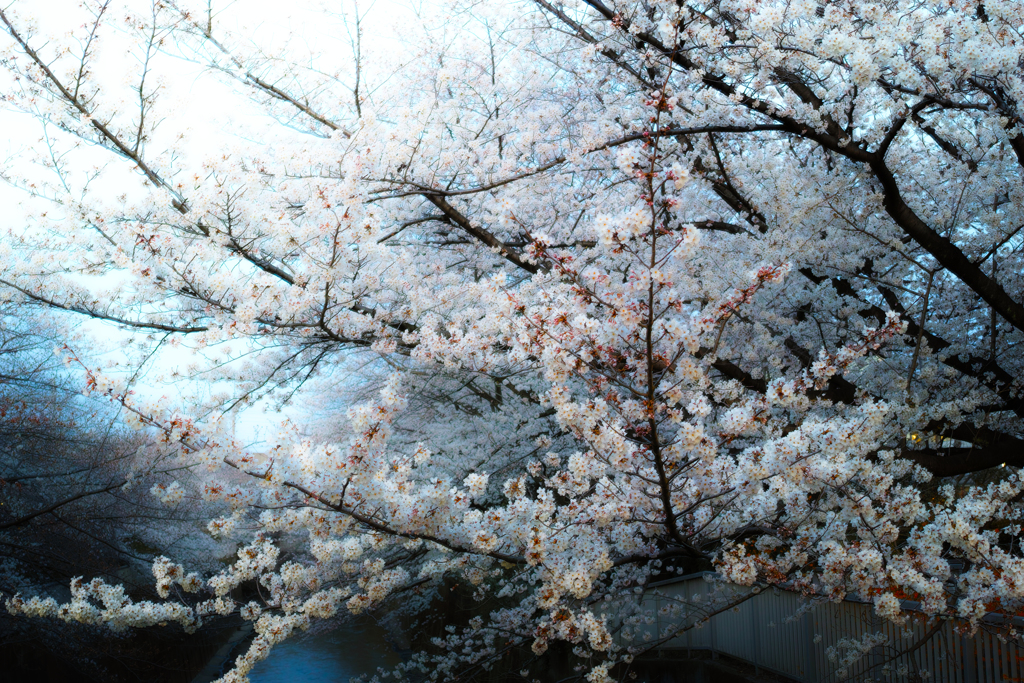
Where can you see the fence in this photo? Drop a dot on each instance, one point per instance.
(780, 632)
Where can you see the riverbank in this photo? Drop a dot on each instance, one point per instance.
(92, 655)
(218, 663)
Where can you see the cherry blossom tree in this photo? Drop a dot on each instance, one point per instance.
(640, 287)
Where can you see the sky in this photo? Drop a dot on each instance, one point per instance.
(197, 106)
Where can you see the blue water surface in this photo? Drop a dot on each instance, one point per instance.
(345, 652)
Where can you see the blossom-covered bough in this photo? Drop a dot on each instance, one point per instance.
(645, 287)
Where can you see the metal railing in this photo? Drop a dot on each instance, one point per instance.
(781, 632)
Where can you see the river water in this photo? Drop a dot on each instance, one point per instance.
(331, 657)
(355, 649)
